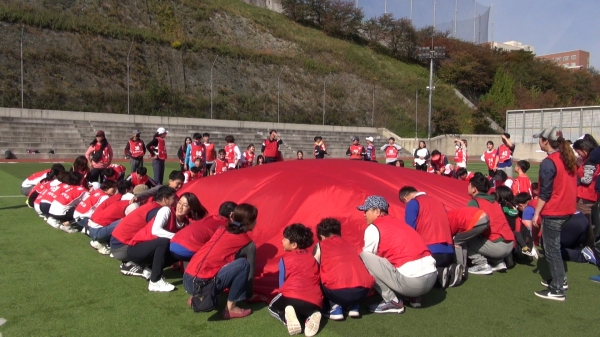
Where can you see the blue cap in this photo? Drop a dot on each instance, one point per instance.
(374, 201)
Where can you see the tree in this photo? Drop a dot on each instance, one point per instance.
(342, 19)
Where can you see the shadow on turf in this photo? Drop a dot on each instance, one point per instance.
(13, 207)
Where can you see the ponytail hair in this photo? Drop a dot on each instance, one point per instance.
(243, 217)
(55, 170)
(566, 153)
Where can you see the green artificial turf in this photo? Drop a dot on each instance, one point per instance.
(55, 284)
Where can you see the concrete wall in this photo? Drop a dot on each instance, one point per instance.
(444, 143)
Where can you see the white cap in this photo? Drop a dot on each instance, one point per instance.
(369, 139)
(95, 185)
(161, 130)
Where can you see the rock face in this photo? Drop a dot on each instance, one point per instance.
(274, 5)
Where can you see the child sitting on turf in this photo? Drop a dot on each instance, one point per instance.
(506, 199)
(524, 232)
(299, 287)
(522, 182)
(346, 289)
(220, 165)
(140, 177)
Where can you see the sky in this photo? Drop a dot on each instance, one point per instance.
(550, 26)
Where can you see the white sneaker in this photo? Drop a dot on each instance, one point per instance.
(291, 321)
(146, 273)
(96, 245)
(311, 326)
(499, 267)
(481, 269)
(160, 286)
(534, 253)
(68, 229)
(53, 222)
(104, 250)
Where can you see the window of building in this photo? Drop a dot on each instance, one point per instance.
(573, 57)
(557, 59)
(572, 64)
(565, 58)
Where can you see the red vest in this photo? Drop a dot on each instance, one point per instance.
(45, 188)
(399, 243)
(105, 155)
(133, 222)
(338, 254)
(319, 147)
(220, 166)
(135, 180)
(118, 168)
(198, 233)
(111, 200)
(469, 176)
(588, 192)
(197, 151)
(230, 153)
(371, 149)
(145, 234)
(70, 195)
(302, 277)
(563, 200)
(52, 192)
(271, 147)
(136, 148)
(504, 153)
(216, 253)
(35, 178)
(439, 164)
(189, 176)
(463, 219)
(39, 188)
(490, 159)
(249, 158)
(110, 214)
(210, 151)
(161, 149)
(459, 156)
(355, 152)
(432, 221)
(521, 184)
(499, 227)
(90, 200)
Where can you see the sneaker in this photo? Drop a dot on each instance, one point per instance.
(161, 286)
(336, 313)
(595, 278)
(85, 231)
(96, 245)
(391, 307)
(456, 275)
(131, 269)
(589, 255)
(526, 251)
(551, 294)
(499, 267)
(53, 222)
(146, 273)
(354, 311)
(481, 269)
(291, 321)
(311, 326)
(534, 253)
(545, 283)
(415, 302)
(234, 314)
(443, 277)
(68, 229)
(104, 250)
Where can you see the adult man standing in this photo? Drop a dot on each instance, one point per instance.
(504, 155)
(270, 147)
(135, 149)
(391, 150)
(396, 256)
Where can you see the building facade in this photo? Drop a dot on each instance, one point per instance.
(575, 59)
(512, 45)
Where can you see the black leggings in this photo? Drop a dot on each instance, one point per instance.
(303, 309)
(67, 217)
(95, 175)
(31, 198)
(154, 252)
(421, 167)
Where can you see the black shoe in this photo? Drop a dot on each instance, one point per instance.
(545, 283)
(131, 269)
(551, 295)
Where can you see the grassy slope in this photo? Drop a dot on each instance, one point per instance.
(319, 54)
(54, 284)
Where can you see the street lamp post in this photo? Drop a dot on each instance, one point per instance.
(128, 54)
(426, 53)
(324, 82)
(211, 86)
(278, 94)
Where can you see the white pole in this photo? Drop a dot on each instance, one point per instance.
(278, 94)
(22, 29)
(455, 16)
(411, 9)
(324, 81)
(416, 110)
(130, 47)
(491, 10)
(373, 111)
(474, 18)
(211, 87)
(430, 94)
(385, 7)
(434, 5)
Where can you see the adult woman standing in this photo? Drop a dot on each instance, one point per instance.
(421, 157)
(222, 258)
(556, 204)
(181, 153)
(100, 154)
(151, 243)
(158, 150)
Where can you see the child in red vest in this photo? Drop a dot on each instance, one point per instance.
(191, 175)
(345, 289)
(221, 164)
(140, 177)
(521, 183)
(489, 158)
(248, 156)
(114, 172)
(299, 286)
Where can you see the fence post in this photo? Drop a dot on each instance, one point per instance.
(523, 128)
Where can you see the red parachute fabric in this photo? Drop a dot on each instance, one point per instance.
(306, 191)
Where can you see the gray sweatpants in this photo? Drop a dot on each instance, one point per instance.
(460, 239)
(507, 170)
(389, 281)
(135, 163)
(480, 250)
(25, 190)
